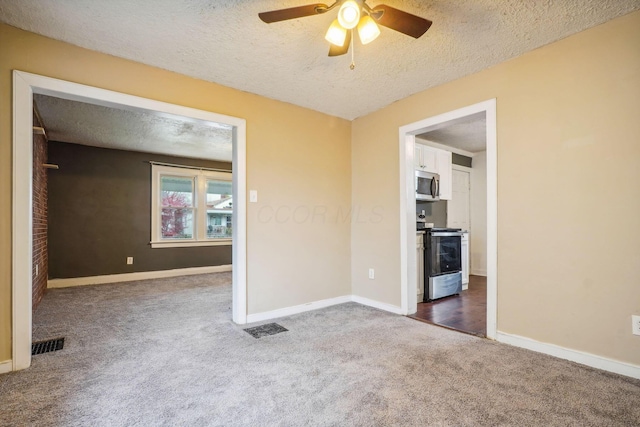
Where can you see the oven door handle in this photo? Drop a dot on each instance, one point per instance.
(446, 234)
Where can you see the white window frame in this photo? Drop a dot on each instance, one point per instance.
(200, 177)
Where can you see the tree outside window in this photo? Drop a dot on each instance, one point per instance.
(177, 207)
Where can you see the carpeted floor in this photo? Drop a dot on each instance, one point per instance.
(165, 352)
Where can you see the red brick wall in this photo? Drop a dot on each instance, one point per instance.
(40, 256)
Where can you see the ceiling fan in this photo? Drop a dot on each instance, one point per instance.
(352, 14)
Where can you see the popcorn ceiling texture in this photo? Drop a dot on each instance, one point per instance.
(225, 42)
(98, 126)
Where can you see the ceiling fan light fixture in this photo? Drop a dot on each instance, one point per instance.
(368, 30)
(336, 34)
(349, 14)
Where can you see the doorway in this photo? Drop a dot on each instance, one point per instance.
(408, 135)
(25, 85)
(465, 311)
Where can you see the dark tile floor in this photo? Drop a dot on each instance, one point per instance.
(466, 312)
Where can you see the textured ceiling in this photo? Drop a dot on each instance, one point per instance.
(145, 131)
(467, 133)
(225, 42)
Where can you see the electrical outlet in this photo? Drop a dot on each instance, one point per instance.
(129, 260)
(372, 273)
(635, 325)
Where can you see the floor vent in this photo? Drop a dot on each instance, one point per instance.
(47, 346)
(265, 330)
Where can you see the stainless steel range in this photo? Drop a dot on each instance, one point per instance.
(443, 263)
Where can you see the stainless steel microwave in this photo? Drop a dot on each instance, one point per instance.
(427, 186)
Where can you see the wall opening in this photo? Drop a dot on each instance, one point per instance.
(407, 137)
(25, 85)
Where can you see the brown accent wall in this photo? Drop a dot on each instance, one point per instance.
(40, 253)
(100, 214)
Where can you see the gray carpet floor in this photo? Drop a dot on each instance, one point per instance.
(165, 352)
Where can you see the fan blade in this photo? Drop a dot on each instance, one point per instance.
(341, 50)
(293, 12)
(398, 20)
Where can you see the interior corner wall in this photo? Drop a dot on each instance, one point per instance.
(299, 161)
(100, 214)
(40, 258)
(567, 150)
(478, 231)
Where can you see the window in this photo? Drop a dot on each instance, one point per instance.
(219, 207)
(190, 207)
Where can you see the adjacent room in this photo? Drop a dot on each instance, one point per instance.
(453, 156)
(283, 213)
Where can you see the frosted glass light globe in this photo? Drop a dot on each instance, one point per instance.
(349, 14)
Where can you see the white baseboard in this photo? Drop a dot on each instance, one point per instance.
(128, 277)
(296, 309)
(377, 304)
(288, 311)
(6, 366)
(478, 273)
(583, 358)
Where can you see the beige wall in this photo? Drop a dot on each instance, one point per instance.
(295, 157)
(567, 129)
(568, 192)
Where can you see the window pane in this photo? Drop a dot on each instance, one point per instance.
(177, 223)
(219, 209)
(176, 192)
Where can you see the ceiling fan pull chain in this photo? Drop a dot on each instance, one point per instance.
(353, 54)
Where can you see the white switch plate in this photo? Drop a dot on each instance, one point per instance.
(635, 321)
(129, 260)
(253, 196)
(372, 273)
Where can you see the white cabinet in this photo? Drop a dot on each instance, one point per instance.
(465, 261)
(425, 158)
(438, 161)
(420, 264)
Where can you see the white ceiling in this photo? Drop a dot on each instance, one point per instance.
(467, 133)
(224, 41)
(145, 131)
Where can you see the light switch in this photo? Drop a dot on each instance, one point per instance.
(253, 196)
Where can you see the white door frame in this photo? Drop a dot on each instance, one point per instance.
(407, 139)
(24, 86)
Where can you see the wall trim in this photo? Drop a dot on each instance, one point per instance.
(478, 272)
(577, 356)
(296, 309)
(315, 305)
(6, 366)
(377, 304)
(129, 277)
